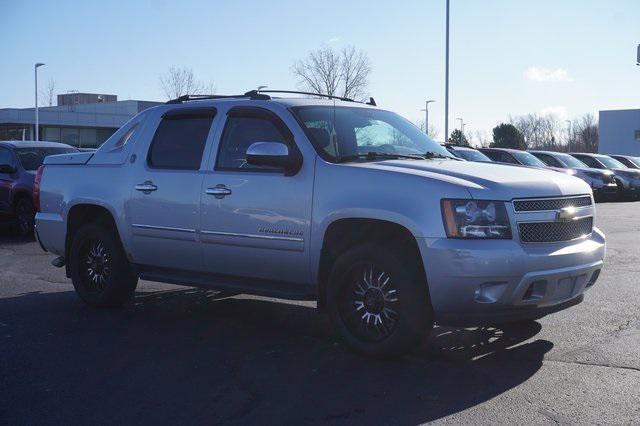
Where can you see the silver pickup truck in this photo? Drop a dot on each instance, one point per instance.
(318, 199)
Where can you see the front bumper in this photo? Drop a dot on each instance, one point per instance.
(476, 282)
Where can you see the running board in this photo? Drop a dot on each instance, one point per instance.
(243, 285)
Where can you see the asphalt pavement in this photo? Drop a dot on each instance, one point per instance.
(178, 355)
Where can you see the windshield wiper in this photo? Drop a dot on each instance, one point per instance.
(432, 154)
(378, 156)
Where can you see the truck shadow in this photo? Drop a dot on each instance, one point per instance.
(189, 356)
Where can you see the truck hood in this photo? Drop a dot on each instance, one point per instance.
(489, 180)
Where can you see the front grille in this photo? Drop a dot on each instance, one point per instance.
(550, 232)
(542, 204)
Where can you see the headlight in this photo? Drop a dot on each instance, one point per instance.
(476, 219)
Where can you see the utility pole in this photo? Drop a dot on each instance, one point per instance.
(446, 83)
(570, 125)
(426, 116)
(37, 65)
(461, 130)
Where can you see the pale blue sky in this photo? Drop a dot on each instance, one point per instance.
(507, 56)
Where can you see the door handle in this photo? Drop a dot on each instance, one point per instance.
(146, 187)
(219, 191)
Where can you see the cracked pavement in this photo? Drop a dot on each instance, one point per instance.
(180, 355)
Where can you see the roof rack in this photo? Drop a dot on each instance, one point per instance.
(261, 95)
(253, 94)
(322, 95)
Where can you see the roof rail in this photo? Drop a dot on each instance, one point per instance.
(296, 92)
(253, 94)
(261, 95)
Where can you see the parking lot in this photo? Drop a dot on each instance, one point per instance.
(180, 355)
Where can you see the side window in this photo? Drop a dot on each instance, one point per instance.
(125, 138)
(589, 162)
(495, 156)
(507, 158)
(549, 160)
(239, 133)
(6, 157)
(180, 139)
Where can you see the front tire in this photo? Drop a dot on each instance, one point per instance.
(100, 271)
(379, 304)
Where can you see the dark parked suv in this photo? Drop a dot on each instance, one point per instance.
(19, 162)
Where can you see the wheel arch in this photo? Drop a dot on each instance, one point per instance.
(86, 212)
(346, 232)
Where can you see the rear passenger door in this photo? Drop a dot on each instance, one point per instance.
(165, 198)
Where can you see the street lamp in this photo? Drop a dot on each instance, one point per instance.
(262, 87)
(37, 65)
(446, 84)
(426, 115)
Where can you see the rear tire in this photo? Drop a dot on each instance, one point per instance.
(100, 271)
(379, 304)
(25, 217)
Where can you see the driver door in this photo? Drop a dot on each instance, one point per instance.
(255, 220)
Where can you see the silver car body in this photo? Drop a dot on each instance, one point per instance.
(272, 227)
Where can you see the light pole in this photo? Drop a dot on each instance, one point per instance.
(461, 130)
(569, 133)
(37, 65)
(446, 83)
(426, 115)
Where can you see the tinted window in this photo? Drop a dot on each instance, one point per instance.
(570, 161)
(500, 157)
(548, 160)
(471, 155)
(611, 163)
(239, 133)
(6, 157)
(527, 159)
(180, 140)
(32, 158)
(589, 162)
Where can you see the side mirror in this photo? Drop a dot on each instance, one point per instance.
(273, 154)
(7, 168)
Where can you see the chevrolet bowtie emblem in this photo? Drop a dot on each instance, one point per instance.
(566, 214)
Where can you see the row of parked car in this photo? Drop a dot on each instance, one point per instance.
(610, 176)
(19, 162)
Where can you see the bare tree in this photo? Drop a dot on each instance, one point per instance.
(585, 134)
(433, 131)
(181, 81)
(539, 131)
(334, 72)
(47, 93)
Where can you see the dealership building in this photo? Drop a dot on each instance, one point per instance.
(84, 120)
(619, 132)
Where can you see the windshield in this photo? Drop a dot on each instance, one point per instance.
(528, 159)
(570, 161)
(32, 158)
(611, 163)
(472, 155)
(344, 132)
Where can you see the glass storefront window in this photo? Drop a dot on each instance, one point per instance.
(51, 134)
(70, 136)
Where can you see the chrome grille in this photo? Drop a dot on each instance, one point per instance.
(543, 204)
(550, 232)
